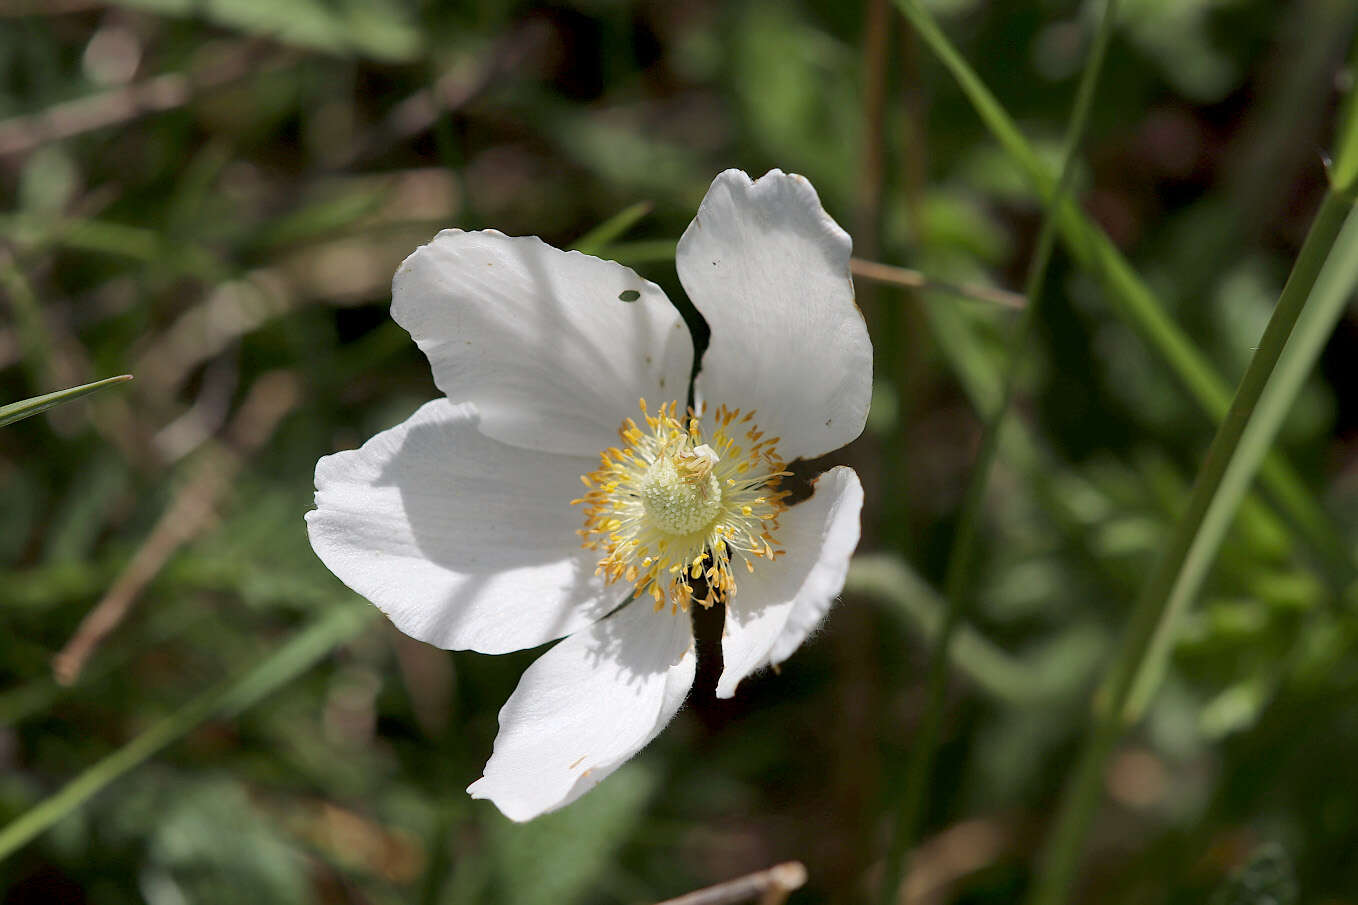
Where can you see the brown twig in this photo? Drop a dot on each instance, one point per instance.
(913, 279)
(22, 134)
(271, 397)
(770, 886)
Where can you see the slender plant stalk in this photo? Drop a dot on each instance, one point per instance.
(229, 699)
(1322, 280)
(909, 813)
(1135, 301)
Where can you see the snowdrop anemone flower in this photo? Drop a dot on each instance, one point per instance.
(468, 524)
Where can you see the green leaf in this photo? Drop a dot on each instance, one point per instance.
(25, 408)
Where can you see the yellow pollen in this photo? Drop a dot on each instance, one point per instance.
(673, 507)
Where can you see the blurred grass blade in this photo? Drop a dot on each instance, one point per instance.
(957, 585)
(1132, 298)
(229, 699)
(26, 408)
(118, 240)
(644, 251)
(1322, 281)
(611, 230)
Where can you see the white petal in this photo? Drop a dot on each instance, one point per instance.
(769, 270)
(585, 707)
(776, 607)
(463, 541)
(540, 339)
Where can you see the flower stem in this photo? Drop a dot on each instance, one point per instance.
(909, 813)
(1322, 280)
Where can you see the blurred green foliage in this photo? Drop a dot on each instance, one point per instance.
(213, 197)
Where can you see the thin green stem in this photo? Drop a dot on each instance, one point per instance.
(229, 699)
(909, 813)
(1322, 280)
(1133, 299)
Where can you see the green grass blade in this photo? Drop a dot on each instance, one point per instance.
(266, 677)
(1322, 281)
(909, 813)
(26, 408)
(1329, 294)
(611, 230)
(1132, 298)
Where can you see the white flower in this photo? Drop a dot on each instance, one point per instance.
(467, 526)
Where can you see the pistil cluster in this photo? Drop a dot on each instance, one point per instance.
(670, 511)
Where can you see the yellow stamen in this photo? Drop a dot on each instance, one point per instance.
(670, 508)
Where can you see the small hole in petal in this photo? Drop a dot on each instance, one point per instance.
(628, 295)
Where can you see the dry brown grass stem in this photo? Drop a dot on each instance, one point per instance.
(770, 887)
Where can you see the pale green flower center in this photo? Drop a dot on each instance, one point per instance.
(680, 493)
